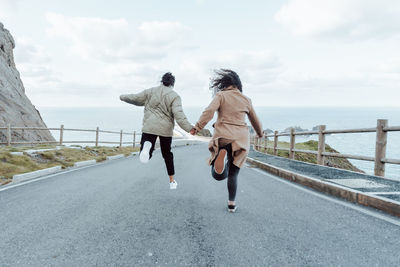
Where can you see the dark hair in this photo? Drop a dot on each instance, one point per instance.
(225, 78)
(168, 79)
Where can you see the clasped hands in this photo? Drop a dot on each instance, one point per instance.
(193, 131)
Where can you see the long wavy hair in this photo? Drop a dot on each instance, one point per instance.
(223, 79)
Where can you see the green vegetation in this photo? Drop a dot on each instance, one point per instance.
(66, 157)
(312, 145)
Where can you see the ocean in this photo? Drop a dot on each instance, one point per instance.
(129, 118)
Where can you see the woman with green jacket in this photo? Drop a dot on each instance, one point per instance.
(162, 107)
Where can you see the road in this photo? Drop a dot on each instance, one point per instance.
(122, 213)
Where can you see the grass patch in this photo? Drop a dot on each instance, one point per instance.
(312, 145)
(66, 157)
(11, 165)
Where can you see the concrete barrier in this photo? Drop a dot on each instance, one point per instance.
(355, 196)
(115, 157)
(84, 163)
(17, 153)
(35, 174)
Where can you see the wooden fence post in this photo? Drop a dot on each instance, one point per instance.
(292, 142)
(8, 134)
(275, 143)
(97, 136)
(134, 139)
(380, 147)
(61, 134)
(321, 145)
(265, 143)
(120, 139)
(255, 142)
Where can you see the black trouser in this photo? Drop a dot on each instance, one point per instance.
(165, 143)
(231, 171)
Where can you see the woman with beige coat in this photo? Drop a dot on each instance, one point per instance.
(230, 143)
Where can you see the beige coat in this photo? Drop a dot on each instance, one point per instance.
(230, 127)
(162, 105)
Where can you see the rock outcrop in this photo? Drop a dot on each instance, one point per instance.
(296, 129)
(15, 107)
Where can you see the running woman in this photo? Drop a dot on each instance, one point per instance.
(230, 143)
(162, 106)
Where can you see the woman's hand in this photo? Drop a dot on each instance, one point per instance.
(193, 131)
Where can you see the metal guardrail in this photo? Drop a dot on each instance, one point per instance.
(380, 159)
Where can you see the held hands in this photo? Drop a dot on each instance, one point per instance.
(193, 131)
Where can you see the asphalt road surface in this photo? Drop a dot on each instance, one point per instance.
(122, 213)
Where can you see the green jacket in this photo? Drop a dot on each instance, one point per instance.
(162, 105)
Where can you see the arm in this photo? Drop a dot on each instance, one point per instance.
(255, 122)
(208, 113)
(135, 99)
(179, 115)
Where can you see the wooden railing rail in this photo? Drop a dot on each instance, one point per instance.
(380, 159)
(392, 129)
(61, 140)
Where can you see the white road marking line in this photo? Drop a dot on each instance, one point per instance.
(388, 219)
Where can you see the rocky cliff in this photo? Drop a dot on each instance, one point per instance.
(15, 107)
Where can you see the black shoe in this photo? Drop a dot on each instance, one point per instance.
(232, 208)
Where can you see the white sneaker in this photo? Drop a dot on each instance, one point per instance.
(145, 153)
(173, 185)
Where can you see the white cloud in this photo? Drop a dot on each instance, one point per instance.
(351, 19)
(115, 40)
(256, 68)
(123, 58)
(162, 32)
(33, 63)
(90, 37)
(390, 67)
(363, 87)
(8, 8)
(112, 56)
(26, 51)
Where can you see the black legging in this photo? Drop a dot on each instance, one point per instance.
(165, 144)
(231, 171)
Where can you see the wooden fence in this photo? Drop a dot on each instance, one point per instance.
(380, 158)
(61, 140)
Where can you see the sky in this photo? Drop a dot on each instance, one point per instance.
(312, 53)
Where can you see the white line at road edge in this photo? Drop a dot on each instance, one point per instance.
(366, 211)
